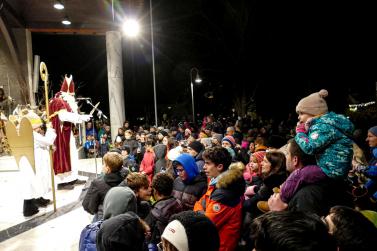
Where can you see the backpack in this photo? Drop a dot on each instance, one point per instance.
(88, 236)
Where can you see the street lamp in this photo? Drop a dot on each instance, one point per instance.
(197, 80)
(131, 28)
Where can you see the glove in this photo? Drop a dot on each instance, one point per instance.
(250, 190)
(85, 117)
(301, 128)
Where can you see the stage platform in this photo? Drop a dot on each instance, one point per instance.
(62, 228)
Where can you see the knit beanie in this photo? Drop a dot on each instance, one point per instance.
(259, 156)
(314, 104)
(373, 130)
(187, 229)
(229, 139)
(196, 146)
(163, 133)
(217, 136)
(122, 232)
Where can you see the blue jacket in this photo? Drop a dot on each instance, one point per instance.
(88, 236)
(328, 138)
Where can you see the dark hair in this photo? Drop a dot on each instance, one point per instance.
(293, 231)
(163, 183)
(277, 160)
(126, 148)
(218, 155)
(352, 230)
(295, 150)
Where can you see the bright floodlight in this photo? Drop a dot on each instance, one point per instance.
(66, 21)
(198, 79)
(131, 28)
(58, 6)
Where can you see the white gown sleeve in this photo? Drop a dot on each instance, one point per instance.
(72, 117)
(46, 140)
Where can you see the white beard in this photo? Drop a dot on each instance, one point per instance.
(70, 100)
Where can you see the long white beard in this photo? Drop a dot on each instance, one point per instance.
(70, 100)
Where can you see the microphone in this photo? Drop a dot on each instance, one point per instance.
(82, 98)
(99, 114)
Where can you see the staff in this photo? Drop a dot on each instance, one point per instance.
(44, 77)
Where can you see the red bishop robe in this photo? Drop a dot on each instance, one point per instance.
(61, 156)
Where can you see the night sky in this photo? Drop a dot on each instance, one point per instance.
(274, 52)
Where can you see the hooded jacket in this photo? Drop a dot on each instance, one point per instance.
(190, 190)
(328, 138)
(119, 200)
(160, 153)
(93, 200)
(222, 204)
(159, 216)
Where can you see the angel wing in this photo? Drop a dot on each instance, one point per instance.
(22, 143)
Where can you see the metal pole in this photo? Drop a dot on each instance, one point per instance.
(192, 100)
(154, 73)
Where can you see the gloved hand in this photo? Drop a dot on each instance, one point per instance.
(301, 128)
(250, 190)
(85, 117)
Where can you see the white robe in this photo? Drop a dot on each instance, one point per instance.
(38, 184)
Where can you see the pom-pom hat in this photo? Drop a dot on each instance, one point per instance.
(314, 104)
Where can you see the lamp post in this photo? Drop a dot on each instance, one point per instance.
(131, 29)
(197, 80)
(153, 69)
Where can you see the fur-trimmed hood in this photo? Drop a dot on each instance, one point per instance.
(230, 187)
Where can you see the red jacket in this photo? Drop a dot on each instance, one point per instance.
(147, 165)
(222, 203)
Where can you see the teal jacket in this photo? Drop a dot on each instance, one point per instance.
(328, 138)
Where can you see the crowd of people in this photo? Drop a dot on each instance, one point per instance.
(235, 184)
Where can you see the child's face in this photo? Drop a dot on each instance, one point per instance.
(254, 164)
(144, 193)
(303, 117)
(124, 153)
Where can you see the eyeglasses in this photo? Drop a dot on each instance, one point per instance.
(179, 170)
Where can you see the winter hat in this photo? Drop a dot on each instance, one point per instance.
(34, 119)
(217, 136)
(229, 139)
(122, 232)
(175, 233)
(259, 156)
(314, 104)
(245, 144)
(203, 135)
(119, 200)
(186, 231)
(196, 146)
(164, 133)
(373, 130)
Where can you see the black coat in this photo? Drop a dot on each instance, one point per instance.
(188, 194)
(318, 198)
(159, 216)
(93, 200)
